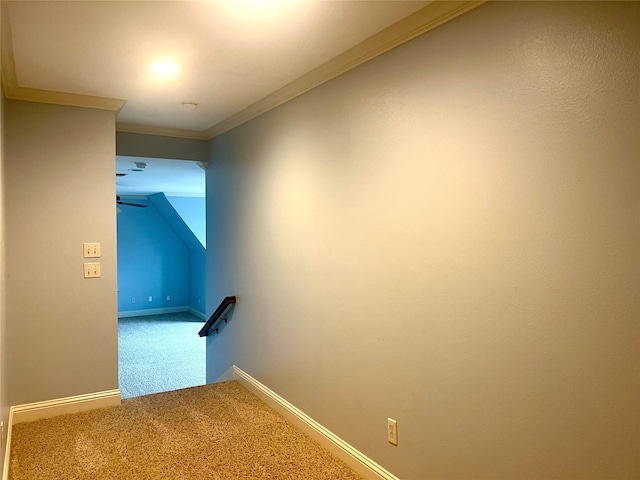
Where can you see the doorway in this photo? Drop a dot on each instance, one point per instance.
(161, 228)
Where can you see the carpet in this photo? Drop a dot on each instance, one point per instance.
(219, 431)
(158, 353)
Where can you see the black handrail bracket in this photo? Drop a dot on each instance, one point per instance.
(222, 309)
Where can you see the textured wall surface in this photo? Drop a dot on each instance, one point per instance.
(59, 166)
(449, 235)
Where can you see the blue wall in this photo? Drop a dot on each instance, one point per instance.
(197, 252)
(152, 261)
(198, 272)
(193, 212)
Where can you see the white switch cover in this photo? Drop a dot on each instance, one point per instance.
(91, 250)
(92, 270)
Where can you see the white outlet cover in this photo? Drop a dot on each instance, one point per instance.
(392, 431)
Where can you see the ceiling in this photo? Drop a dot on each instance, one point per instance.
(178, 178)
(230, 54)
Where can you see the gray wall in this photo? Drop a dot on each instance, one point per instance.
(156, 146)
(4, 394)
(449, 236)
(59, 192)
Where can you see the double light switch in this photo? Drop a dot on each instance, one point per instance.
(91, 269)
(91, 250)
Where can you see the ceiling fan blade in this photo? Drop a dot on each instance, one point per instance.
(119, 202)
(132, 204)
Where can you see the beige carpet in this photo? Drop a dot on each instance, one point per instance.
(218, 431)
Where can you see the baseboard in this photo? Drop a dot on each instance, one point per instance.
(198, 314)
(61, 406)
(30, 412)
(341, 449)
(152, 311)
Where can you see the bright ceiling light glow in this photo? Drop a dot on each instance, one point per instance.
(263, 11)
(164, 68)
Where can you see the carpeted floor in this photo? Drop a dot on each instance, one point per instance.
(158, 353)
(217, 431)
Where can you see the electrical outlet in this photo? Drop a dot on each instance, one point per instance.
(392, 431)
(92, 270)
(133, 300)
(168, 297)
(150, 298)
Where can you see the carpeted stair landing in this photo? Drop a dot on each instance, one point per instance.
(218, 431)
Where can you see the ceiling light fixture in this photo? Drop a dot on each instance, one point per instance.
(164, 68)
(189, 105)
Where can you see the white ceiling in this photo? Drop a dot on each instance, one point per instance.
(230, 53)
(179, 178)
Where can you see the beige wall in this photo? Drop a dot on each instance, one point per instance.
(4, 394)
(60, 192)
(449, 236)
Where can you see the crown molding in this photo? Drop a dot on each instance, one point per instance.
(165, 132)
(15, 92)
(423, 20)
(427, 18)
(63, 98)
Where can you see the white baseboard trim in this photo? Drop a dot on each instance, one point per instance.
(30, 412)
(341, 449)
(61, 406)
(151, 311)
(198, 314)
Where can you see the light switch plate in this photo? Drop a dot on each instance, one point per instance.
(92, 270)
(91, 250)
